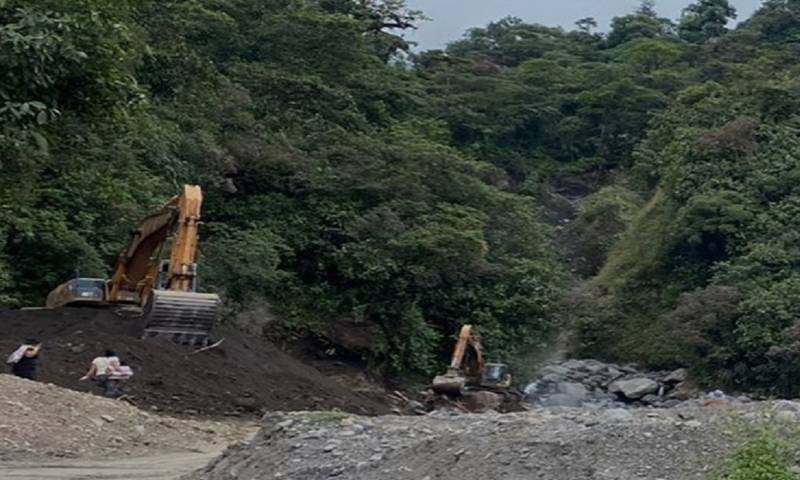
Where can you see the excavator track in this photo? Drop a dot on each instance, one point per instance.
(183, 317)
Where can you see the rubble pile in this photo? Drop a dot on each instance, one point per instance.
(576, 383)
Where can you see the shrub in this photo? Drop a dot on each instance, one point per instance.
(764, 457)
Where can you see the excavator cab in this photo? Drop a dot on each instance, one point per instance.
(162, 280)
(79, 291)
(496, 375)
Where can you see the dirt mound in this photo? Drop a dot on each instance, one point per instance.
(46, 420)
(546, 444)
(245, 374)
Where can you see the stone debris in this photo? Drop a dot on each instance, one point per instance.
(683, 443)
(591, 383)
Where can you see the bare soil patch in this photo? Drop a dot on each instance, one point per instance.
(246, 375)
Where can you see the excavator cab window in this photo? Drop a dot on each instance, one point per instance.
(88, 288)
(163, 275)
(162, 282)
(495, 372)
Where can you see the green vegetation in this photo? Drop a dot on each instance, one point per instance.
(349, 178)
(332, 190)
(763, 457)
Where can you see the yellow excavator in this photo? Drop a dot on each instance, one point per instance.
(164, 290)
(468, 368)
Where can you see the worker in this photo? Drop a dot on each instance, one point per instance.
(101, 370)
(25, 359)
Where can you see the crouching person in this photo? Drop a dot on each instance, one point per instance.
(107, 372)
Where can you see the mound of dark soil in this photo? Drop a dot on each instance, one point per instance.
(245, 374)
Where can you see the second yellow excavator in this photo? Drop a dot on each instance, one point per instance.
(468, 368)
(165, 290)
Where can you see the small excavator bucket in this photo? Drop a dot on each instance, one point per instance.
(183, 317)
(449, 384)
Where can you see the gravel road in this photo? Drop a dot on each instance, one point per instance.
(157, 467)
(544, 443)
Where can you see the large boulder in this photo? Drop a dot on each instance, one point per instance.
(684, 391)
(677, 376)
(482, 401)
(634, 388)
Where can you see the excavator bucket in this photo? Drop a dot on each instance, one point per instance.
(183, 317)
(449, 384)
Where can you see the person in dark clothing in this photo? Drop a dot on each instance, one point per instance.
(25, 360)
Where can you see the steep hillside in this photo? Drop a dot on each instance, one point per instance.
(350, 181)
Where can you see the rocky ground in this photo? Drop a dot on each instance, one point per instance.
(681, 443)
(43, 421)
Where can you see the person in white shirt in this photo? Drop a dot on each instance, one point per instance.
(103, 371)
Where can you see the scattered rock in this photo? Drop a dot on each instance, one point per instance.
(572, 389)
(651, 399)
(683, 391)
(786, 416)
(786, 406)
(482, 401)
(414, 407)
(284, 424)
(634, 388)
(561, 400)
(618, 414)
(677, 376)
(543, 443)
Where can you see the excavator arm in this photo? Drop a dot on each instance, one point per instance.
(138, 265)
(183, 256)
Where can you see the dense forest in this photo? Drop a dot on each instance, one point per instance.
(348, 177)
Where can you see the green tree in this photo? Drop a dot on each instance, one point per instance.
(705, 20)
(643, 23)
